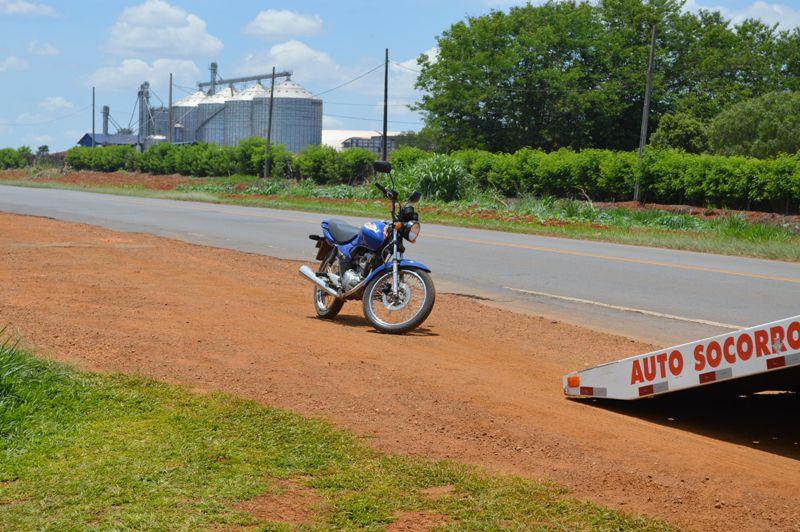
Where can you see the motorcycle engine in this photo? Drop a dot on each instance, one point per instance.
(360, 268)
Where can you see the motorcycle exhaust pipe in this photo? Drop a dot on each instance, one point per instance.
(309, 274)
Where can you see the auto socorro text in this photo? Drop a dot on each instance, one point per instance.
(710, 354)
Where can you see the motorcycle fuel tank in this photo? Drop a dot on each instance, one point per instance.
(373, 235)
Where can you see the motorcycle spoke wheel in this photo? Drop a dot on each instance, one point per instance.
(398, 310)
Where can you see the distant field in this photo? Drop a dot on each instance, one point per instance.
(714, 231)
(81, 450)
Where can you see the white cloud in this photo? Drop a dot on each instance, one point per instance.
(770, 13)
(42, 48)
(130, 73)
(20, 7)
(55, 103)
(310, 64)
(274, 24)
(38, 139)
(12, 63)
(361, 98)
(156, 28)
(787, 16)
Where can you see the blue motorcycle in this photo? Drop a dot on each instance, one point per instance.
(367, 263)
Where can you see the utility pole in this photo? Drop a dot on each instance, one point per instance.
(268, 161)
(385, 138)
(169, 135)
(93, 113)
(637, 192)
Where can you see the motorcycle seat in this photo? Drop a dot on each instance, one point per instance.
(342, 232)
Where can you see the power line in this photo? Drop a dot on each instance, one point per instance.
(46, 121)
(376, 104)
(404, 66)
(351, 81)
(372, 119)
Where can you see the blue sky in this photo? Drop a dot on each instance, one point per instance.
(52, 52)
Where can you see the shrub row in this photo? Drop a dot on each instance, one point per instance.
(667, 176)
(320, 163)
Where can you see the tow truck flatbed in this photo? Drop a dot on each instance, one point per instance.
(762, 353)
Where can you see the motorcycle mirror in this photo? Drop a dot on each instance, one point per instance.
(415, 196)
(382, 167)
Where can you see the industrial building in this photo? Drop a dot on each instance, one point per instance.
(234, 109)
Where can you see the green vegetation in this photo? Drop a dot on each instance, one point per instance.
(80, 450)
(667, 176)
(571, 74)
(681, 131)
(11, 158)
(761, 127)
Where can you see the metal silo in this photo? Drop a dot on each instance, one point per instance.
(239, 114)
(160, 117)
(296, 117)
(211, 117)
(184, 114)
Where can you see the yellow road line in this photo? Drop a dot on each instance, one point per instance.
(618, 259)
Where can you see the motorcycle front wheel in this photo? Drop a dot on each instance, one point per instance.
(402, 312)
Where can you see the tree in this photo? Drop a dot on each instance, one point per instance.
(571, 74)
(43, 150)
(760, 127)
(425, 139)
(683, 131)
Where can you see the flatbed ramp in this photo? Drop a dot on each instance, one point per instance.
(763, 353)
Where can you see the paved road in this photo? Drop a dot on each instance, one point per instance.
(662, 296)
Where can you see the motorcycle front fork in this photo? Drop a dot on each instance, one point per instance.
(395, 268)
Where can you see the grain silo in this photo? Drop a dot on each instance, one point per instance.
(185, 113)
(239, 114)
(296, 117)
(211, 117)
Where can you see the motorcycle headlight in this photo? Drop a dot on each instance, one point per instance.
(412, 231)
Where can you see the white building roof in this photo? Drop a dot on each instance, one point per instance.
(336, 137)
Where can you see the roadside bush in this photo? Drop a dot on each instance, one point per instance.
(407, 156)
(11, 158)
(250, 157)
(320, 163)
(438, 177)
(103, 159)
(355, 166)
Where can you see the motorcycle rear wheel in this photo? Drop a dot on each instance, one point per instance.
(326, 305)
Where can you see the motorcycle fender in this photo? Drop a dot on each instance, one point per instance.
(404, 263)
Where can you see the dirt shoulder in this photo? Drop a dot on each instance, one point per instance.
(478, 384)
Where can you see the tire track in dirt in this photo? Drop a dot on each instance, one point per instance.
(477, 384)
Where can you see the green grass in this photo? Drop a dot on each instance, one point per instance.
(731, 235)
(81, 451)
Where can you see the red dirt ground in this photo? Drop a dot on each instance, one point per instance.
(478, 384)
(104, 179)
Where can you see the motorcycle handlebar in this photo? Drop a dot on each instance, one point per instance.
(381, 188)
